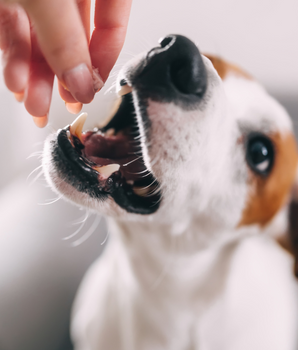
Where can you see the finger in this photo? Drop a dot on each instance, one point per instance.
(84, 10)
(15, 43)
(19, 96)
(63, 42)
(39, 92)
(65, 94)
(74, 108)
(111, 19)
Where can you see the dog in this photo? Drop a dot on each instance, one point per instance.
(194, 172)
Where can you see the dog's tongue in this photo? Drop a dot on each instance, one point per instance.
(115, 149)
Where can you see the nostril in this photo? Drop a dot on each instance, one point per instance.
(187, 77)
(174, 70)
(163, 42)
(123, 82)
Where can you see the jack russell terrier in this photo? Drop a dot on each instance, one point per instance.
(194, 171)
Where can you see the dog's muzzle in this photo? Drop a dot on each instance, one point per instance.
(172, 72)
(112, 161)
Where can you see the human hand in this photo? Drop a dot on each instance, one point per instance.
(43, 38)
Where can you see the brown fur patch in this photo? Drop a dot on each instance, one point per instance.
(270, 193)
(293, 233)
(224, 68)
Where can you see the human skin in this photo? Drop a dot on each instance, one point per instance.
(41, 38)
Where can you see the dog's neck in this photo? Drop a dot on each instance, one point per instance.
(160, 259)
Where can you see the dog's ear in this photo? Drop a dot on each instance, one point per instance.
(225, 68)
(289, 240)
(293, 226)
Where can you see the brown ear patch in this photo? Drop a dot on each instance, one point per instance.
(270, 193)
(224, 68)
(293, 233)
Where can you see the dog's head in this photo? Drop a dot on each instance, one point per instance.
(193, 139)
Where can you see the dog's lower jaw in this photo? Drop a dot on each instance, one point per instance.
(150, 290)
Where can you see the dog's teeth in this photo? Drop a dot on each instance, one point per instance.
(124, 90)
(68, 135)
(110, 132)
(107, 170)
(141, 191)
(77, 126)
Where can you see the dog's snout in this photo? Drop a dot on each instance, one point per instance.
(186, 68)
(174, 71)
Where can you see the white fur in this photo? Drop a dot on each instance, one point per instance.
(187, 277)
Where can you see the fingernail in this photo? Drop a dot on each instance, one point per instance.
(74, 108)
(41, 122)
(79, 82)
(97, 81)
(19, 96)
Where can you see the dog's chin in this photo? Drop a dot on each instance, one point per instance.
(104, 168)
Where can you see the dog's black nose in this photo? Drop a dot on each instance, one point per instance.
(173, 71)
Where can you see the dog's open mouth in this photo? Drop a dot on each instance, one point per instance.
(109, 161)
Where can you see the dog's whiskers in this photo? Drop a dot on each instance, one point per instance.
(37, 154)
(139, 172)
(51, 128)
(88, 234)
(33, 171)
(79, 229)
(37, 176)
(136, 153)
(106, 237)
(129, 53)
(149, 185)
(156, 190)
(110, 88)
(155, 160)
(81, 219)
(148, 174)
(51, 201)
(126, 164)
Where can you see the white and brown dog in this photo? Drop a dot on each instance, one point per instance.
(194, 171)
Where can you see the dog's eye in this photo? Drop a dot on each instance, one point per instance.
(260, 154)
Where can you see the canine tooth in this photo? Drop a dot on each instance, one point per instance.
(110, 132)
(124, 90)
(107, 170)
(77, 125)
(141, 191)
(68, 134)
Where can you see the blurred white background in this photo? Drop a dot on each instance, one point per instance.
(39, 272)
